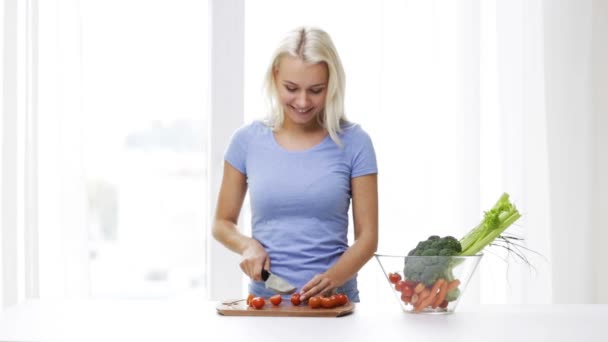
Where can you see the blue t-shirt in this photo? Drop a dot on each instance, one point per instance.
(300, 199)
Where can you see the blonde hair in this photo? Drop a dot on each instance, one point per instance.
(312, 45)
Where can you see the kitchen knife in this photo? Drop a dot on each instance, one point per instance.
(276, 283)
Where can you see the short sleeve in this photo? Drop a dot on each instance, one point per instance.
(236, 153)
(363, 154)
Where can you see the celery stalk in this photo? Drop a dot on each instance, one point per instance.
(495, 221)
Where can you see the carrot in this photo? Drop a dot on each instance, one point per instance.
(453, 284)
(424, 294)
(437, 285)
(419, 288)
(426, 298)
(424, 303)
(443, 291)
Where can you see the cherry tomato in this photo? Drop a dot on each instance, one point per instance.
(400, 284)
(444, 304)
(258, 302)
(249, 299)
(295, 299)
(276, 300)
(394, 277)
(410, 283)
(328, 302)
(407, 291)
(406, 299)
(314, 302)
(341, 299)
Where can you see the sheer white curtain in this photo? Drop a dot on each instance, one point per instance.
(63, 249)
(575, 45)
(45, 232)
(516, 149)
(40, 155)
(465, 100)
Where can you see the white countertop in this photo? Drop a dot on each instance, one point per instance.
(197, 320)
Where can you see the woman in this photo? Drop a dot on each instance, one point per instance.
(302, 166)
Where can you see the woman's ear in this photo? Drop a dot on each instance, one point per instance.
(275, 73)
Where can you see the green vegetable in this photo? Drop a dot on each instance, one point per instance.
(434, 245)
(437, 262)
(436, 256)
(495, 221)
(452, 295)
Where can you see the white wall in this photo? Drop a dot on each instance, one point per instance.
(568, 75)
(227, 64)
(8, 155)
(600, 122)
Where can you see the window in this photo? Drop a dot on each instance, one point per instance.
(107, 178)
(124, 147)
(145, 102)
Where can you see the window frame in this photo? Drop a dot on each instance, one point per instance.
(227, 47)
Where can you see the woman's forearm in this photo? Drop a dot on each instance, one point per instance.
(227, 233)
(365, 214)
(354, 258)
(253, 255)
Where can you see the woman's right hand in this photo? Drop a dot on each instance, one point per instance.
(253, 259)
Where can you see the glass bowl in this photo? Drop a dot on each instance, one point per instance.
(428, 284)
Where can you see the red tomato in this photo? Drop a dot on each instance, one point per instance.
(444, 304)
(276, 300)
(399, 286)
(341, 299)
(328, 302)
(314, 302)
(258, 302)
(407, 291)
(295, 299)
(410, 283)
(394, 277)
(250, 298)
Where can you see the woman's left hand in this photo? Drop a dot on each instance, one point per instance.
(319, 285)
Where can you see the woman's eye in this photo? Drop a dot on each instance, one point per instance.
(316, 91)
(291, 90)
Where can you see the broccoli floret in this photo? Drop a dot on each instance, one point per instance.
(437, 252)
(432, 273)
(434, 245)
(430, 252)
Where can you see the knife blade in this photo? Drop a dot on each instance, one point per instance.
(276, 283)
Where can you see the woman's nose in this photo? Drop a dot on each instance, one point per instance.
(302, 100)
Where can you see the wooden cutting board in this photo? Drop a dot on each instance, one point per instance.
(286, 309)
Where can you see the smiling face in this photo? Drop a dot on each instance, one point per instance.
(302, 89)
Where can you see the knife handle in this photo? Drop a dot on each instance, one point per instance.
(265, 274)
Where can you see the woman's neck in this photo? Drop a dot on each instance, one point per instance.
(313, 127)
(300, 137)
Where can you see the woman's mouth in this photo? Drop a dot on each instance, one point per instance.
(302, 111)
